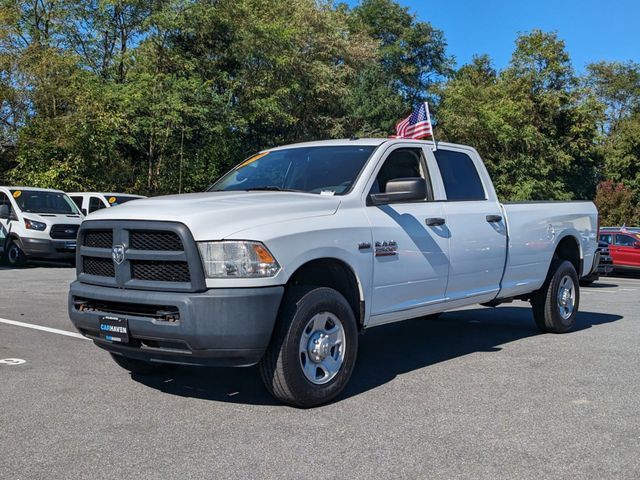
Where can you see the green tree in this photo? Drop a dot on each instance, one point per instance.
(411, 59)
(533, 124)
(616, 204)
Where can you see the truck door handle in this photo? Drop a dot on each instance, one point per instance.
(434, 222)
(494, 218)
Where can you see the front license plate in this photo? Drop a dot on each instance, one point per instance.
(114, 329)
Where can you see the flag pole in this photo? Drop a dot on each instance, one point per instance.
(435, 146)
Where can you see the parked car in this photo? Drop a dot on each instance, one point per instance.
(602, 264)
(89, 202)
(624, 246)
(37, 223)
(285, 259)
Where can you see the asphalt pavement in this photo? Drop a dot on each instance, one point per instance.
(478, 393)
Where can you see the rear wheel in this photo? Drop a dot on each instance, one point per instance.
(15, 256)
(140, 366)
(313, 349)
(555, 305)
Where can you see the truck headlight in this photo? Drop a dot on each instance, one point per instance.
(237, 259)
(33, 225)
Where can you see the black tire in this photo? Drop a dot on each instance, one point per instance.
(14, 256)
(281, 367)
(545, 304)
(140, 366)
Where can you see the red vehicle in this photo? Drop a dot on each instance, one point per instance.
(624, 246)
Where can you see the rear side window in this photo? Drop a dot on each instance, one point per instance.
(625, 240)
(95, 204)
(460, 177)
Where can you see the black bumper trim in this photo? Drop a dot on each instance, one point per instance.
(226, 327)
(46, 248)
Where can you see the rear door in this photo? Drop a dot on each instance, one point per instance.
(410, 257)
(627, 250)
(475, 224)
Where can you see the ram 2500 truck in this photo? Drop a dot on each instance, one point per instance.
(286, 258)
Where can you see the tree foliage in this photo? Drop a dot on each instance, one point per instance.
(161, 97)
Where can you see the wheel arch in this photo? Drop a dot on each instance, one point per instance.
(568, 248)
(333, 273)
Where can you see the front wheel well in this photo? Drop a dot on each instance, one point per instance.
(332, 273)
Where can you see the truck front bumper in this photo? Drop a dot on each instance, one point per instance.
(48, 248)
(218, 327)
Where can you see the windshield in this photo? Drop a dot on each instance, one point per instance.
(38, 201)
(329, 170)
(119, 199)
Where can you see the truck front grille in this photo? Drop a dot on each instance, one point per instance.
(101, 267)
(64, 232)
(98, 238)
(157, 256)
(167, 241)
(160, 271)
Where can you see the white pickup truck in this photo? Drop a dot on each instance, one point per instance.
(291, 254)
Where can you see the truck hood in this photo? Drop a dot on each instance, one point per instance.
(217, 215)
(52, 219)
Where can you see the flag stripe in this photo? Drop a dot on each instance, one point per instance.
(417, 125)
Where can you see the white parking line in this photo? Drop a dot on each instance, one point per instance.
(44, 329)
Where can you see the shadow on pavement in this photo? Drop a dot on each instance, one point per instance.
(39, 264)
(599, 284)
(385, 352)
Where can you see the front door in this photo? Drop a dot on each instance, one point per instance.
(410, 258)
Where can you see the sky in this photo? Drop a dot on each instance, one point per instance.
(592, 30)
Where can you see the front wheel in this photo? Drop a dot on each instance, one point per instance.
(555, 305)
(313, 349)
(15, 256)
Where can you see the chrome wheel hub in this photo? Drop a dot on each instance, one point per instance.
(566, 297)
(319, 347)
(322, 348)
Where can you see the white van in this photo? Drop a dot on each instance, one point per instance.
(37, 223)
(89, 202)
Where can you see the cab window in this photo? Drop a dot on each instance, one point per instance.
(77, 201)
(401, 163)
(625, 240)
(95, 204)
(460, 176)
(608, 238)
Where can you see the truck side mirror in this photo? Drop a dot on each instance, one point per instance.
(636, 245)
(84, 211)
(409, 189)
(5, 213)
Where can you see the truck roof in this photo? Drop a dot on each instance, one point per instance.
(362, 141)
(115, 194)
(35, 189)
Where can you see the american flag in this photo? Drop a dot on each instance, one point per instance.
(416, 125)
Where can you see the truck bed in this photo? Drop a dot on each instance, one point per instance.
(534, 229)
